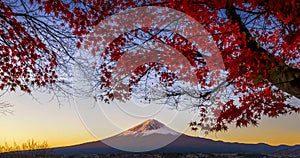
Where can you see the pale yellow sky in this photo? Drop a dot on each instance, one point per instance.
(61, 125)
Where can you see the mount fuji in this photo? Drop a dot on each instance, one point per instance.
(149, 127)
(153, 136)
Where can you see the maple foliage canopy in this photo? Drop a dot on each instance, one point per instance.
(257, 39)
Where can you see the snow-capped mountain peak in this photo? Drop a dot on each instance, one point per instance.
(148, 127)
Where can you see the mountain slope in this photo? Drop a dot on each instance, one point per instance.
(153, 136)
(146, 136)
(186, 143)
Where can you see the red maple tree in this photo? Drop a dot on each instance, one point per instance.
(258, 41)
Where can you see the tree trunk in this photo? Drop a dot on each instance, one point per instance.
(288, 80)
(281, 75)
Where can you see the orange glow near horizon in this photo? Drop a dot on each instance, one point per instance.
(61, 126)
(265, 133)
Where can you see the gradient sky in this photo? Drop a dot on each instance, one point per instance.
(70, 124)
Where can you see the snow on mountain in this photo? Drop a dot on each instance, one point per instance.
(149, 127)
